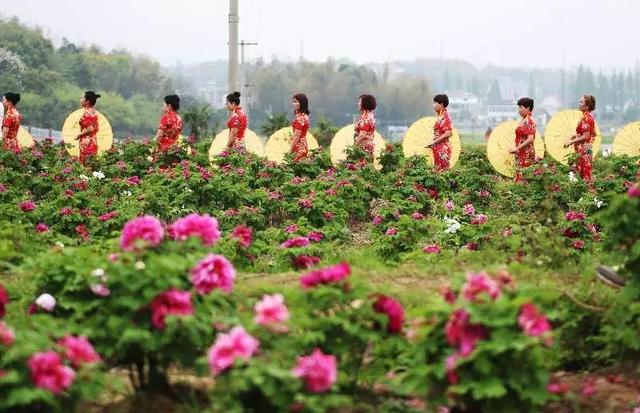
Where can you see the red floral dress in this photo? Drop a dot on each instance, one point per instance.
(89, 141)
(366, 122)
(171, 126)
(527, 155)
(238, 120)
(301, 123)
(585, 149)
(442, 150)
(11, 121)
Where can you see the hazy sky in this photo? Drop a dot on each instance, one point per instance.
(600, 33)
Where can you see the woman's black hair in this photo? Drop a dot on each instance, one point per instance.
(91, 97)
(590, 100)
(304, 102)
(368, 102)
(526, 103)
(441, 99)
(173, 101)
(14, 98)
(234, 98)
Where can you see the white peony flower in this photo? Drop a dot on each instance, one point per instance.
(98, 272)
(139, 265)
(98, 175)
(453, 224)
(84, 177)
(46, 302)
(572, 177)
(127, 193)
(599, 203)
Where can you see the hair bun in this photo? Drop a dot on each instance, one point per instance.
(236, 94)
(98, 95)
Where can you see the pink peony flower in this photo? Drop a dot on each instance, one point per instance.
(4, 300)
(479, 219)
(108, 216)
(271, 310)
(431, 249)
(558, 388)
(305, 261)
(229, 347)
(326, 275)
(214, 271)
(634, 191)
(450, 366)
(589, 387)
(471, 246)
(417, 216)
(133, 180)
(296, 242)
(202, 226)
(243, 234)
(171, 302)
(507, 232)
(449, 205)
(145, 230)
(391, 231)
(291, 228)
(318, 371)
(3, 188)
(532, 322)
(78, 350)
(393, 309)
(46, 302)
(433, 192)
(305, 203)
(100, 289)
(448, 294)
(7, 336)
(468, 209)
(575, 216)
(48, 372)
(578, 244)
(328, 215)
(27, 206)
(42, 227)
(480, 283)
(315, 236)
(64, 211)
(377, 220)
(462, 334)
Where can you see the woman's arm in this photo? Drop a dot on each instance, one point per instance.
(447, 134)
(527, 142)
(233, 132)
(577, 139)
(297, 134)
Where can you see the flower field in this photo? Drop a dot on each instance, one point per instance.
(245, 286)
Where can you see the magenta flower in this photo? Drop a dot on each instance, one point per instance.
(271, 310)
(315, 236)
(575, 216)
(468, 209)
(171, 302)
(327, 275)
(214, 271)
(377, 220)
(578, 244)
(448, 294)
(394, 311)
(42, 227)
(305, 261)
(532, 322)
(391, 231)
(48, 372)
(417, 216)
(133, 180)
(78, 350)
(318, 371)
(507, 232)
(243, 234)
(238, 344)
(450, 366)
(296, 242)
(634, 191)
(291, 228)
(305, 203)
(431, 249)
(64, 211)
(146, 230)
(480, 283)
(462, 334)
(194, 225)
(449, 205)
(27, 206)
(479, 219)
(7, 336)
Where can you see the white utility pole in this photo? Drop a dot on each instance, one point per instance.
(234, 22)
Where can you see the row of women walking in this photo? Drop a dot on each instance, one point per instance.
(170, 127)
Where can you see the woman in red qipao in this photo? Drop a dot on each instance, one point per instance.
(300, 125)
(365, 126)
(11, 122)
(88, 127)
(524, 149)
(237, 122)
(442, 131)
(582, 141)
(170, 125)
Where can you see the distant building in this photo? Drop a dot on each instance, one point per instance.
(395, 133)
(213, 94)
(464, 107)
(497, 114)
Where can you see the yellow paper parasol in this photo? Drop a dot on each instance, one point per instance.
(420, 134)
(71, 129)
(25, 140)
(560, 128)
(344, 139)
(252, 143)
(501, 141)
(279, 144)
(627, 140)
